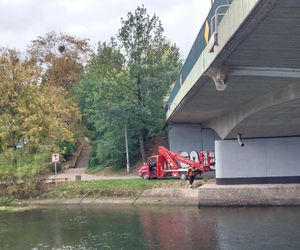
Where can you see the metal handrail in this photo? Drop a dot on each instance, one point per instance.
(214, 19)
(196, 49)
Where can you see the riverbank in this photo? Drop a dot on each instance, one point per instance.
(162, 192)
(154, 196)
(206, 195)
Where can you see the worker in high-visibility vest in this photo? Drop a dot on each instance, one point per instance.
(192, 172)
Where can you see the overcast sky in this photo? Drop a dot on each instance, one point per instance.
(23, 20)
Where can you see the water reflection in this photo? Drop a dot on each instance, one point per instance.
(127, 227)
(177, 228)
(258, 228)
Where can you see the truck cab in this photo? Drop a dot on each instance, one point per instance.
(153, 168)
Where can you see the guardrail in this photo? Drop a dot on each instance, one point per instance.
(215, 15)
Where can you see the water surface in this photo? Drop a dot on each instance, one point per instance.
(143, 227)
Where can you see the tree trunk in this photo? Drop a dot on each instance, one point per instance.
(14, 148)
(142, 146)
(141, 105)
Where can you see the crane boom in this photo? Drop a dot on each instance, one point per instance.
(173, 159)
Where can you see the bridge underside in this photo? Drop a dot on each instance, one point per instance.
(261, 63)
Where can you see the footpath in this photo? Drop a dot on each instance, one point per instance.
(78, 169)
(72, 173)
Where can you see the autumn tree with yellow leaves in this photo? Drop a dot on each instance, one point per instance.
(34, 118)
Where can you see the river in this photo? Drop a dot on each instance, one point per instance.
(144, 227)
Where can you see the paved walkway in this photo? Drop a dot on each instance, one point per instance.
(80, 167)
(71, 174)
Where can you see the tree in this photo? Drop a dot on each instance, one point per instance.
(103, 97)
(61, 56)
(30, 112)
(126, 82)
(18, 81)
(153, 63)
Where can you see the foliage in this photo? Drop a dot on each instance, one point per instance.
(152, 63)
(18, 82)
(5, 201)
(61, 56)
(34, 117)
(67, 147)
(32, 112)
(24, 178)
(125, 83)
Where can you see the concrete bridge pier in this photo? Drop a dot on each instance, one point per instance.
(191, 137)
(259, 161)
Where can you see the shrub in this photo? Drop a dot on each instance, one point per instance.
(23, 178)
(5, 201)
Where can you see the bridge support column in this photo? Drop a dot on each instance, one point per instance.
(264, 160)
(191, 137)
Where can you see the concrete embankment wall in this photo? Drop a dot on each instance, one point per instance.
(229, 195)
(206, 195)
(155, 196)
(249, 195)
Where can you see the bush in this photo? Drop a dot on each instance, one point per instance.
(5, 201)
(67, 148)
(22, 178)
(59, 167)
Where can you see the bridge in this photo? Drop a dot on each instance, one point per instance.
(238, 92)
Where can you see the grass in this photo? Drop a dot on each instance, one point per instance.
(15, 208)
(100, 184)
(107, 188)
(116, 188)
(8, 204)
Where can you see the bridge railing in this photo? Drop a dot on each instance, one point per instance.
(214, 17)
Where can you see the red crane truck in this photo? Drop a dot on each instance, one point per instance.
(167, 164)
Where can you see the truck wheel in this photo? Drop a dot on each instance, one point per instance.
(183, 176)
(145, 177)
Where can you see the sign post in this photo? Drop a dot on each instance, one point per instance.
(55, 160)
